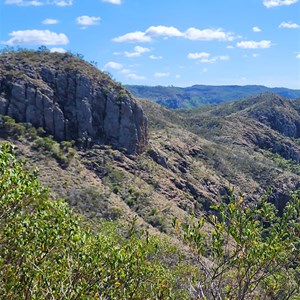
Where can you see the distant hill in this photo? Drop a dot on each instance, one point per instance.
(196, 95)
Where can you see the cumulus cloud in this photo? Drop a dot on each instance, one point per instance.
(254, 45)
(274, 3)
(63, 3)
(155, 57)
(39, 2)
(133, 37)
(36, 37)
(205, 57)
(50, 21)
(59, 50)
(208, 35)
(138, 50)
(113, 1)
(125, 71)
(214, 59)
(24, 3)
(298, 56)
(113, 65)
(135, 76)
(198, 55)
(161, 74)
(87, 21)
(289, 25)
(256, 29)
(165, 31)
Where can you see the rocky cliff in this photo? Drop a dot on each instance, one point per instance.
(71, 100)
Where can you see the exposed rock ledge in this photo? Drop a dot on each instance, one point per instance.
(71, 100)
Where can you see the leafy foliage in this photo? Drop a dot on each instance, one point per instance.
(254, 252)
(63, 152)
(48, 252)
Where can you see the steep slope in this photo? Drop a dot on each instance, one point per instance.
(70, 99)
(196, 95)
(191, 159)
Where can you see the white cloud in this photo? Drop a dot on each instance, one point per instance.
(289, 25)
(59, 50)
(63, 3)
(138, 50)
(177, 76)
(255, 55)
(298, 56)
(214, 59)
(87, 21)
(39, 2)
(208, 35)
(161, 74)
(229, 47)
(24, 3)
(50, 21)
(163, 31)
(135, 76)
(125, 71)
(133, 37)
(256, 29)
(198, 55)
(155, 57)
(254, 45)
(36, 37)
(223, 57)
(113, 65)
(113, 1)
(205, 57)
(274, 3)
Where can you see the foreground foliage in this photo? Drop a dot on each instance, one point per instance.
(47, 252)
(253, 252)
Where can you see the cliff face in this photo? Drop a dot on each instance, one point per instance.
(71, 100)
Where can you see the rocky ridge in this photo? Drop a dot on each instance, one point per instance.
(71, 100)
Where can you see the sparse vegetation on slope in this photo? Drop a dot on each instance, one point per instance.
(48, 252)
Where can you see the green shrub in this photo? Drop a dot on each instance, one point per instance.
(48, 252)
(254, 252)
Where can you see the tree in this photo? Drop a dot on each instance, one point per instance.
(43, 49)
(248, 252)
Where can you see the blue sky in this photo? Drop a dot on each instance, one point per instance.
(166, 42)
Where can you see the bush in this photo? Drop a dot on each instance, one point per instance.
(48, 252)
(253, 251)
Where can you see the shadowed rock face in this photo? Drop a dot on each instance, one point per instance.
(71, 100)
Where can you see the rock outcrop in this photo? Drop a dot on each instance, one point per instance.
(279, 114)
(71, 100)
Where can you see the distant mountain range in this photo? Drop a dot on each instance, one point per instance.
(197, 95)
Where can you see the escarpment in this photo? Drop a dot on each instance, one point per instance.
(71, 100)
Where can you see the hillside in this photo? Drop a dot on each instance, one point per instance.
(147, 162)
(191, 156)
(196, 95)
